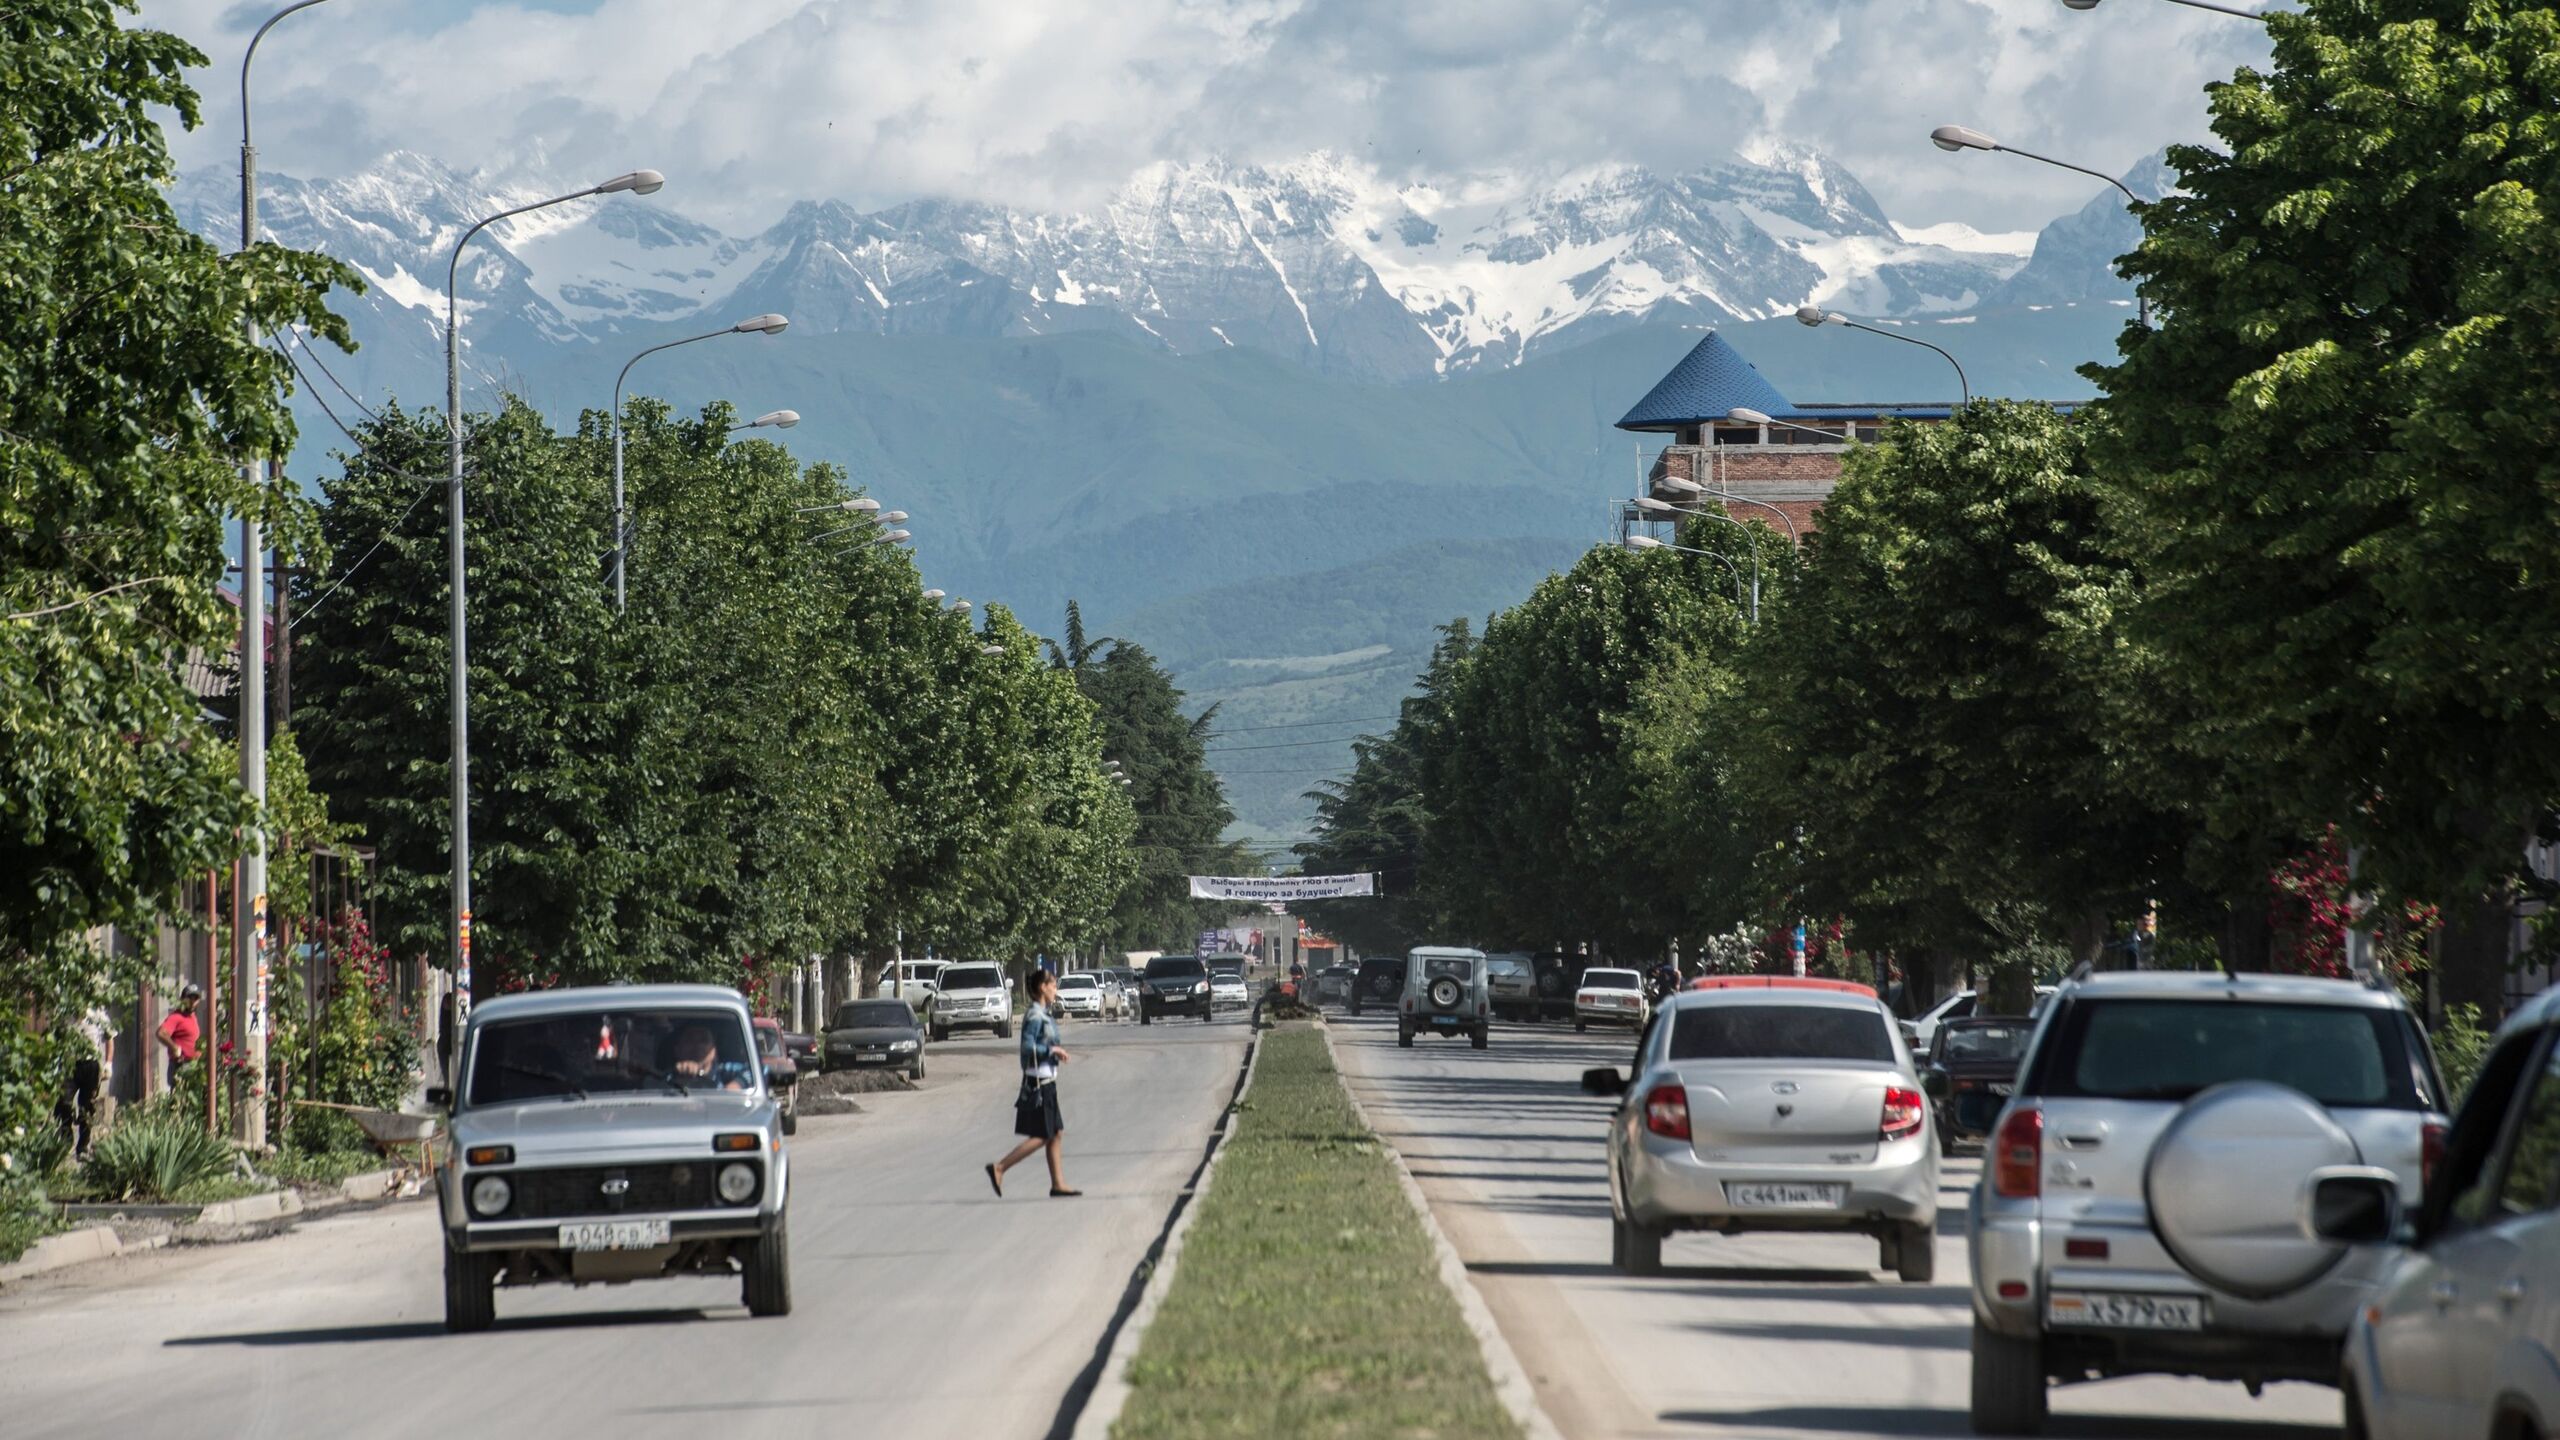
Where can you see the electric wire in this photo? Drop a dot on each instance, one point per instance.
(304, 341)
(350, 572)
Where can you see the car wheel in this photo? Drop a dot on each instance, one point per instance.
(1917, 1260)
(790, 1122)
(916, 1071)
(470, 1290)
(1580, 1026)
(1638, 1248)
(1004, 1029)
(2354, 1427)
(1146, 1017)
(1483, 1036)
(939, 1033)
(768, 1267)
(1355, 1002)
(1404, 1036)
(2008, 1383)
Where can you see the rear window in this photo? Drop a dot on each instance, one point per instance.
(2347, 1056)
(970, 977)
(1779, 1032)
(1078, 982)
(1175, 969)
(1984, 1042)
(1454, 967)
(1609, 979)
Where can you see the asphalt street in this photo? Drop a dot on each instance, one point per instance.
(923, 1306)
(1763, 1336)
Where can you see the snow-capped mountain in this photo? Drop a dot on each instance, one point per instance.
(2075, 256)
(1322, 259)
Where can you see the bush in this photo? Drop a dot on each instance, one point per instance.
(155, 1156)
(2461, 1043)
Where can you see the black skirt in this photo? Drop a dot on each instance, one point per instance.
(1035, 1110)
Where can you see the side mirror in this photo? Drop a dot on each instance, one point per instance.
(2351, 1205)
(1934, 1080)
(781, 1077)
(1603, 1080)
(440, 1097)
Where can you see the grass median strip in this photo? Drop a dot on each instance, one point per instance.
(1308, 1301)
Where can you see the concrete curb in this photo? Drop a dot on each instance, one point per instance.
(371, 1185)
(1111, 1389)
(252, 1209)
(1510, 1380)
(71, 1247)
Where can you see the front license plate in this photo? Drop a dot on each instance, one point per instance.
(613, 1235)
(871, 1054)
(2125, 1312)
(1783, 1195)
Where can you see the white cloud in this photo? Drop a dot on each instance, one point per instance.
(751, 104)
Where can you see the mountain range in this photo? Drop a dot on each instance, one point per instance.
(1274, 422)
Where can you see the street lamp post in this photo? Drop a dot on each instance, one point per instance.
(637, 182)
(249, 932)
(1641, 543)
(752, 325)
(2233, 10)
(1815, 315)
(1952, 138)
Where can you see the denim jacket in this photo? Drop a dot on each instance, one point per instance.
(1039, 1037)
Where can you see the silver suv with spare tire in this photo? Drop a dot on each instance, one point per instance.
(2144, 1203)
(1445, 993)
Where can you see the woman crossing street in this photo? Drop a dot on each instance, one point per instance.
(1035, 1106)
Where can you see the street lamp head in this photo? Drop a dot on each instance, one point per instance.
(1958, 137)
(774, 420)
(959, 607)
(1814, 315)
(638, 182)
(863, 502)
(990, 649)
(1679, 485)
(889, 517)
(1641, 542)
(1658, 507)
(893, 536)
(1747, 415)
(934, 595)
(2081, 4)
(762, 325)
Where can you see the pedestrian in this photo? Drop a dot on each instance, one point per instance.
(78, 1108)
(1035, 1106)
(180, 1032)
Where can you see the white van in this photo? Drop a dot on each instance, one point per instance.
(913, 981)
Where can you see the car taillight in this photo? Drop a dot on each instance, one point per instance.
(1902, 1108)
(1666, 1112)
(2430, 1151)
(2017, 1156)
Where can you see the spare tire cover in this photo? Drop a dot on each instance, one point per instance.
(1446, 993)
(2224, 1186)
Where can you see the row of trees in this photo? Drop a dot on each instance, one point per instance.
(2284, 595)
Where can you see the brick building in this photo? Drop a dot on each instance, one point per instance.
(1789, 464)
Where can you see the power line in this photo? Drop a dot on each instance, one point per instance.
(350, 572)
(1287, 744)
(1317, 770)
(305, 342)
(1303, 725)
(314, 392)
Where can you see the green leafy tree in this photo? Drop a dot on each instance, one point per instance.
(2342, 450)
(1379, 819)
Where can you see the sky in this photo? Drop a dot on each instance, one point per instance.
(751, 105)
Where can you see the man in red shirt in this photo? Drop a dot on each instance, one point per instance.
(178, 1033)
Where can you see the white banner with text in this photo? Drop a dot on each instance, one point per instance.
(1281, 889)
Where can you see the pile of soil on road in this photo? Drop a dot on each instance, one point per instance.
(831, 1093)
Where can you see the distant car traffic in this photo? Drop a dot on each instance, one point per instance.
(1227, 990)
(1970, 1073)
(972, 995)
(878, 1033)
(1558, 975)
(1380, 981)
(1610, 996)
(1173, 985)
(1512, 980)
(1958, 1006)
(609, 1135)
(1769, 1103)
(1445, 994)
(1333, 984)
(1082, 996)
(911, 981)
(2463, 1336)
(2143, 1202)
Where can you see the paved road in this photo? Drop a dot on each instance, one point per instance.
(923, 1305)
(1763, 1336)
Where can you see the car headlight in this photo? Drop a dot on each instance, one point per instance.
(904, 1045)
(491, 1194)
(737, 1183)
(1200, 989)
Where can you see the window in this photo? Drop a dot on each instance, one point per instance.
(1780, 1032)
(2532, 1178)
(1175, 969)
(970, 977)
(2467, 1188)
(2170, 1049)
(580, 1053)
(1610, 980)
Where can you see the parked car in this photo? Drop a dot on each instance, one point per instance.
(1115, 996)
(608, 1135)
(1771, 1103)
(1610, 996)
(971, 995)
(1333, 984)
(1081, 996)
(1445, 993)
(2177, 1122)
(1380, 981)
(1970, 1072)
(911, 980)
(773, 1049)
(803, 1049)
(1512, 979)
(1959, 1006)
(1559, 975)
(2462, 1337)
(881, 1033)
(1174, 985)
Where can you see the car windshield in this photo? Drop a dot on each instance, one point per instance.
(1986, 1042)
(1454, 967)
(920, 972)
(1609, 980)
(1175, 969)
(1780, 1032)
(1507, 966)
(1078, 982)
(970, 977)
(2342, 1055)
(769, 1042)
(608, 1050)
(873, 1014)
